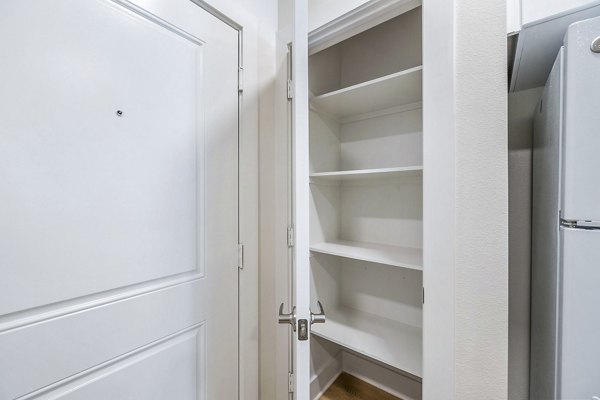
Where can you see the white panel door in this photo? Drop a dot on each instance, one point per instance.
(579, 350)
(118, 201)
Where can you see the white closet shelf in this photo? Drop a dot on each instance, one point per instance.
(367, 173)
(405, 257)
(382, 339)
(393, 90)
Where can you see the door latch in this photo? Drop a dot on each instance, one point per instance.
(302, 329)
(302, 325)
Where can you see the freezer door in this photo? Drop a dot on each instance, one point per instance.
(579, 349)
(581, 138)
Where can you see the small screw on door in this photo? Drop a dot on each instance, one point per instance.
(595, 46)
(119, 113)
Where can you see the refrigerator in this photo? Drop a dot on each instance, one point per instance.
(565, 308)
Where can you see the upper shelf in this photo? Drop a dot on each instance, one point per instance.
(367, 173)
(393, 90)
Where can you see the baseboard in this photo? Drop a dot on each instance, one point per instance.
(379, 375)
(383, 377)
(325, 377)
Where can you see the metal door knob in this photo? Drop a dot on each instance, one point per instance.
(318, 318)
(290, 318)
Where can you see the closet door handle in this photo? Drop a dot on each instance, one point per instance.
(290, 318)
(318, 318)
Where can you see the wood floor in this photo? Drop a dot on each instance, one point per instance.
(348, 387)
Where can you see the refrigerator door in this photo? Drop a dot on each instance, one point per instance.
(579, 348)
(581, 139)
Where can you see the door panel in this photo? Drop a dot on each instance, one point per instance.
(581, 141)
(580, 317)
(49, 351)
(165, 371)
(109, 173)
(120, 231)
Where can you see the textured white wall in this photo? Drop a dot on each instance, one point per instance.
(466, 206)
(481, 284)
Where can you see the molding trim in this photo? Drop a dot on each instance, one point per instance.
(97, 372)
(36, 315)
(326, 375)
(385, 377)
(356, 21)
(378, 374)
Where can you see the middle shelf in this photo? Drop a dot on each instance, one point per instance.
(366, 173)
(396, 256)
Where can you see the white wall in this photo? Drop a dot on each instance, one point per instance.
(533, 10)
(513, 16)
(482, 200)
(275, 280)
(521, 12)
(264, 11)
(259, 19)
(521, 108)
(466, 200)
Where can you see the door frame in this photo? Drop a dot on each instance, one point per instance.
(248, 114)
(342, 27)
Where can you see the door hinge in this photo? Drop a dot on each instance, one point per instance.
(240, 256)
(290, 382)
(423, 295)
(290, 90)
(290, 236)
(241, 79)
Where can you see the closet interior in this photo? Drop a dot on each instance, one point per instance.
(366, 208)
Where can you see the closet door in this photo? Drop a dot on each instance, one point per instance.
(301, 320)
(118, 201)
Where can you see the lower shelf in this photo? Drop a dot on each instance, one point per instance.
(390, 342)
